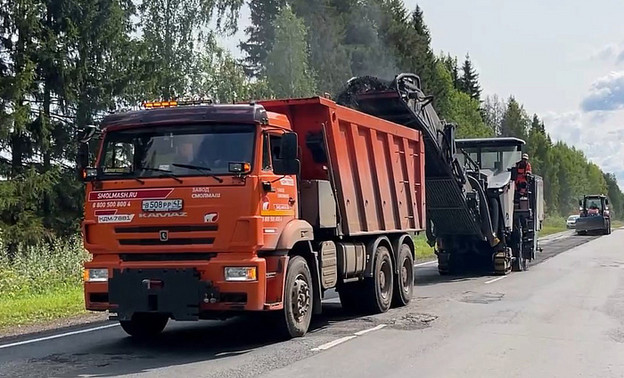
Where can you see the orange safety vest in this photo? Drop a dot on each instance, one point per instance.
(523, 168)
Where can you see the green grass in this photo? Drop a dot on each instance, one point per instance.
(41, 283)
(41, 307)
(423, 250)
(552, 225)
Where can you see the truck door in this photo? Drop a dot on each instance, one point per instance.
(279, 202)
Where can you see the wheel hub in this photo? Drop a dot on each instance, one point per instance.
(300, 298)
(384, 286)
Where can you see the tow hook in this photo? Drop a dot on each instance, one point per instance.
(210, 298)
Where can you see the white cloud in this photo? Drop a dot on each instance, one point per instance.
(606, 93)
(611, 52)
(599, 135)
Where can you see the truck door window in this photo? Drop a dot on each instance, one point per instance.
(270, 150)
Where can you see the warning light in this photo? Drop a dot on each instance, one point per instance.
(170, 104)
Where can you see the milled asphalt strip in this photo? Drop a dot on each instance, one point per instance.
(57, 336)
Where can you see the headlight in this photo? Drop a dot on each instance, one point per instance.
(95, 275)
(240, 273)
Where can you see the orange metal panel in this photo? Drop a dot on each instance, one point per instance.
(375, 166)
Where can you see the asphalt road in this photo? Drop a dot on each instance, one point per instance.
(564, 317)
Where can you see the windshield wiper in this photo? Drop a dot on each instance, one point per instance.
(167, 173)
(198, 168)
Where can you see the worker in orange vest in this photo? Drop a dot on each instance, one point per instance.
(523, 167)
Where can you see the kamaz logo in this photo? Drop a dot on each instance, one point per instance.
(163, 215)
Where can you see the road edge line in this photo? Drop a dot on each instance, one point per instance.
(18, 343)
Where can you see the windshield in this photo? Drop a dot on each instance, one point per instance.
(495, 158)
(154, 151)
(594, 204)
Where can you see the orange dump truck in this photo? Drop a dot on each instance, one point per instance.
(206, 211)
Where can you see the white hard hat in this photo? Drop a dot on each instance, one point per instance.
(525, 156)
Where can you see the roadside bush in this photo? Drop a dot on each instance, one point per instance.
(43, 268)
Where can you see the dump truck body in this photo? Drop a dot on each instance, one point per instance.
(281, 201)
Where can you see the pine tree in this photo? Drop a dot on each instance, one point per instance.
(468, 82)
(515, 120)
(288, 71)
(261, 34)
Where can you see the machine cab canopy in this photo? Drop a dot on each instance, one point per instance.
(495, 154)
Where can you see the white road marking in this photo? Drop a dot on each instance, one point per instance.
(426, 263)
(360, 333)
(495, 279)
(57, 336)
(333, 343)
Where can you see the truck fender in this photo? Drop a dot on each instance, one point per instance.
(305, 250)
(396, 248)
(371, 247)
(295, 231)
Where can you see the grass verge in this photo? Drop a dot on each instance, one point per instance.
(41, 283)
(423, 250)
(41, 307)
(552, 225)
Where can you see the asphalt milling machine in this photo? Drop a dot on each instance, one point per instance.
(476, 216)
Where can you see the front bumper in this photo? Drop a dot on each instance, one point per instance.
(590, 223)
(184, 290)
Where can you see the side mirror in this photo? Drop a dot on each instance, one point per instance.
(286, 167)
(580, 203)
(289, 147)
(514, 173)
(607, 201)
(87, 133)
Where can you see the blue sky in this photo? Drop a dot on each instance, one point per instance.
(562, 59)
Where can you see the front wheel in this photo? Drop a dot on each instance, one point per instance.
(294, 319)
(143, 325)
(404, 280)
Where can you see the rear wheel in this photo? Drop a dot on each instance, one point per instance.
(294, 319)
(143, 325)
(404, 280)
(379, 288)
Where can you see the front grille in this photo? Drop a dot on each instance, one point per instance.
(172, 241)
(166, 256)
(147, 229)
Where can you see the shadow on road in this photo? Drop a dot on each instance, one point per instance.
(180, 344)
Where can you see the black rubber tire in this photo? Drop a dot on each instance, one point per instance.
(519, 264)
(294, 319)
(404, 280)
(378, 290)
(145, 325)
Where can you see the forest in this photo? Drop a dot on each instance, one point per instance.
(64, 64)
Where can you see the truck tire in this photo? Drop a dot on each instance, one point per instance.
(144, 325)
(378, 289)
(607, 230)
(404, 280)
(294, 319)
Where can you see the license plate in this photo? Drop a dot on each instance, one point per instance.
(162, 205)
